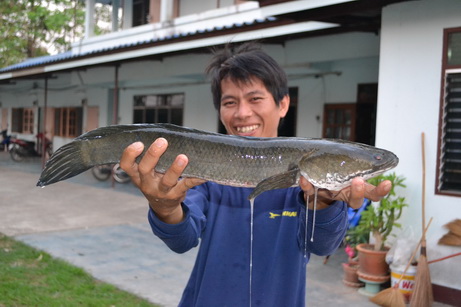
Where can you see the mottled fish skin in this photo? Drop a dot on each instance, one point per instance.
(225, 159)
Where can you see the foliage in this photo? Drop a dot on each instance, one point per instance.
(379, 219)
(32, 28)
(354, 237)
(30, 277)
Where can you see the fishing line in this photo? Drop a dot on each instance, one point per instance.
(251, 245)
(305, 228)
(315, 213)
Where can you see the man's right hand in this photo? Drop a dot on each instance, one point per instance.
(164, 192)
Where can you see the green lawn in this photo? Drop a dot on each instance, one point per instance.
(30, 277)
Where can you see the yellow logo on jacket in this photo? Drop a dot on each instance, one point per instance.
(284, 213)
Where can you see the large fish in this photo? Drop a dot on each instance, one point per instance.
(263, 163)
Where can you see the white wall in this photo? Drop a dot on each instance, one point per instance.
(408, 104)
(185, 74)
(354, 55)
(358, 63)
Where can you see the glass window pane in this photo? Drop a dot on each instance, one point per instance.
(339, 116)
(347, 117)
(139, 101)
(138, 116)
(454, 49)
(150, 116)
(150, 101)
(346, 133)
(177, 100)
(337, 133)
(162, 116)
(176, 117)
(331, 117)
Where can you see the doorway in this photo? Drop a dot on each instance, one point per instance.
(353, 121)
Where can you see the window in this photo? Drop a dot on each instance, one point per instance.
(339, 121)
(165, 108)
(449, 143)
(23, 120)
(140, 12)
(68, 122)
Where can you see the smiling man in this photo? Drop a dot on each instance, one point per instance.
(250, 92)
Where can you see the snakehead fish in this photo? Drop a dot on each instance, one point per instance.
(263, 163)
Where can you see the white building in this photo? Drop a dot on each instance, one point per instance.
(379, 66)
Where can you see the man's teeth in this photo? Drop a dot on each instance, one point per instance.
(247, 128)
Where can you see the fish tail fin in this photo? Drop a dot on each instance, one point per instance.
(65, 163)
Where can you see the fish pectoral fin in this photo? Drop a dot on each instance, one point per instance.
(280, 181)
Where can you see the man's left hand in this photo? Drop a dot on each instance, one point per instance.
(352, 195)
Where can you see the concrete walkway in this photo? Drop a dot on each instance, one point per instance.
(104, 230)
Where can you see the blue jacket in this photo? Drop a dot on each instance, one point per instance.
(219, 216)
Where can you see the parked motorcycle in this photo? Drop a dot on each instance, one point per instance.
(103, 172)
(20, 149)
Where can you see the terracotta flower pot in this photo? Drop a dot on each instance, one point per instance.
(353, 261)
(372, 262)
(350, 278)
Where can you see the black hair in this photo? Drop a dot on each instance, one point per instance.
(240, 65)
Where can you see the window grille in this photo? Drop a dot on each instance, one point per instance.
(164, 108)
(450, 155)
(448, 179)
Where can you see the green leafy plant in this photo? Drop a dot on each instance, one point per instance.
(380, 218)
(354, 237)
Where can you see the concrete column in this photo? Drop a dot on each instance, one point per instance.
(166, 10)
(115, 8)
(89, 18)
(127, 14)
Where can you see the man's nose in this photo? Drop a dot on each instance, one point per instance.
(244, 110)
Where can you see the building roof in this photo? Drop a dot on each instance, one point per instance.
(69, 55)
(347, 16)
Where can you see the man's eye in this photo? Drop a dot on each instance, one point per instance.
(227, 103)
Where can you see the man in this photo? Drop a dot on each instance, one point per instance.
(251, 94)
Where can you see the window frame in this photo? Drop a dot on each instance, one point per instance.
(23, 120)
(446, 70)
(68, 122)
(345, 107)
(163, 103)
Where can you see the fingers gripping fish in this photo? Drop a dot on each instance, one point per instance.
(263, 163)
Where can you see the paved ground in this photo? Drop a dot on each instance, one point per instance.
(104, 230)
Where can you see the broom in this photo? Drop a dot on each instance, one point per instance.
(444, 258)
(393, 297)
(422, 293)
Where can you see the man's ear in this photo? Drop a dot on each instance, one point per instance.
(284, 105)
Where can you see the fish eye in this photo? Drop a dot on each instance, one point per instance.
(378, 157)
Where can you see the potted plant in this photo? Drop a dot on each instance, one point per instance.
(350, 268)
(378, 220)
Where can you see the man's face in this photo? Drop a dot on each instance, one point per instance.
(248, 109)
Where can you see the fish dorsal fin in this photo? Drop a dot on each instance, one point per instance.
(280, 181)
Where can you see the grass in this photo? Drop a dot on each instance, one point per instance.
(30, 277)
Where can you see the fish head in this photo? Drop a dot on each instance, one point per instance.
(333, 166)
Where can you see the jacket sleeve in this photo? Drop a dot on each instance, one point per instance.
(329, 229)
(183, 236)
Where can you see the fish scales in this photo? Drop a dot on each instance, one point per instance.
(228, 160)
(264, 163)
